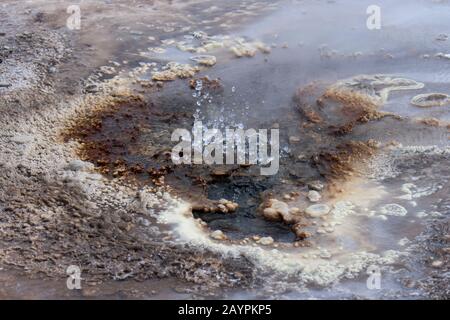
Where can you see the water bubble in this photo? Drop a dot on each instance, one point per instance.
(199, 85)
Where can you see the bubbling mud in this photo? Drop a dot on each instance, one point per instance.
(375, 88)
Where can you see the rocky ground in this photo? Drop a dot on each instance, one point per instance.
(62, 204)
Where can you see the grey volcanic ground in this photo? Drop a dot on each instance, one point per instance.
(87, 116)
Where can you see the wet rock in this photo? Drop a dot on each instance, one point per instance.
(262, 47)
(430, 100)
(277, 210)
(280, 206)
(222, 208)
(205, 60)
(271, 214)
(314, 196)
(374, 88)
(166, 75)
(205, 82)
(174, 70)
(432, 122)
(299, 231)
(266, 241)
(227, 206)
(218, 235)
(287, 197)
(231, 206)
(243, 50)
(316, 185)
(318, 210)
(302, 235)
